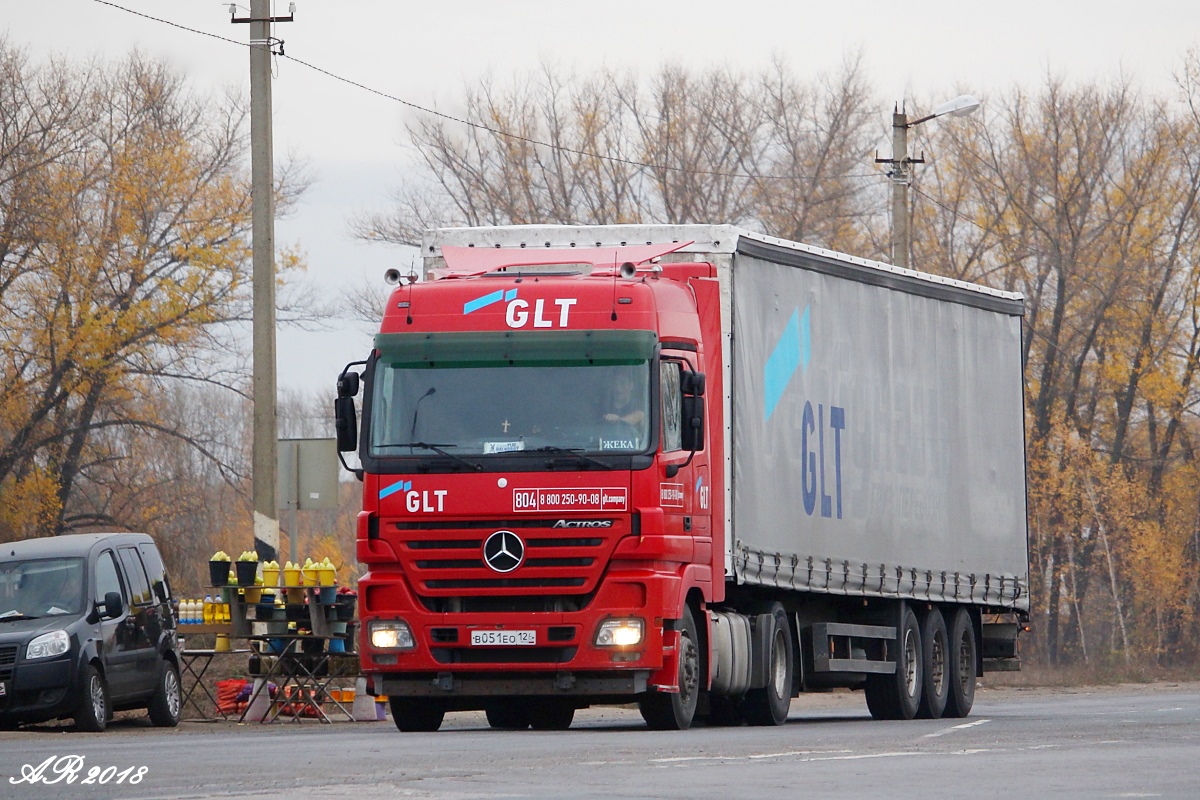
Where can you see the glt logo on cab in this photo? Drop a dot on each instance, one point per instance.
(517, 313)
(416, 500)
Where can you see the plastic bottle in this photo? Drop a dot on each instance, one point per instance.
(207, 611)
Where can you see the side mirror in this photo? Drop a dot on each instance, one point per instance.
(114, 606)
(346, 419)
(347, 384)
(692, 383)
(692, 434)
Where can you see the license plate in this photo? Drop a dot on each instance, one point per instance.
(502, 638)
(3, 688)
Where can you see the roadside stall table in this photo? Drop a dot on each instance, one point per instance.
(194, 664)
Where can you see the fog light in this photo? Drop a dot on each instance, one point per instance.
(620, 632)
(391, 635)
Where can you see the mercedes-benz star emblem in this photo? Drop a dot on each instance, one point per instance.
(503, 551)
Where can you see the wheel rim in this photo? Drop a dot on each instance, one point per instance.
(778, 664)
(910, 663)
(96, 691)
(689, 670)
(171, 686)
(938, 666)
(966, 660)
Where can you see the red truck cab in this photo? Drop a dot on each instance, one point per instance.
(543, 496)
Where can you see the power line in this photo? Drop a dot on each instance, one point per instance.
(479, 125)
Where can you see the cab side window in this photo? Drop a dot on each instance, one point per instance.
(139, 584)
(672, 428)
(107, 577)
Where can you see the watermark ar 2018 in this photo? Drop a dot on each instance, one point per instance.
(69, 769)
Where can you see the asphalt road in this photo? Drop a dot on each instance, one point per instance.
(1128, 741)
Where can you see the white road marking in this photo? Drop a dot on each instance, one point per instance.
(964, 726)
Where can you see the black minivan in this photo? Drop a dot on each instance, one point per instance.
(87, 627)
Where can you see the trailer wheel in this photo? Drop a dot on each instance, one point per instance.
(769, 705)
(551, 713)
(418, 714)
(674, 711)
(508, 714)
(935, 666)
(898, 695)
(962, 647)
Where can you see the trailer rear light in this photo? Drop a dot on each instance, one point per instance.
(620, 632)
(392, 635)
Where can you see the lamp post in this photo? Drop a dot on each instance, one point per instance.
(901, 175)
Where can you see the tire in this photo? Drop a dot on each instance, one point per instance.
(963, 651)
(769, 705)
(92, 714)
(418, 714)
(897, 696)
(508, 715)
(725, 711)
(551, 713)
(167, 704)
(675, 711)
(935, 665)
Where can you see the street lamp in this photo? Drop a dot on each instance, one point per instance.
(900, 174)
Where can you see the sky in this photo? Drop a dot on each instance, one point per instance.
(426, 52)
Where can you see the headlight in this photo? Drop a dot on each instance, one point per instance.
(620, 632)
(54, 643)
(392, 635)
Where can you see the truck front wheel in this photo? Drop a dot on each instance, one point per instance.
(674, 711)
(418, 714)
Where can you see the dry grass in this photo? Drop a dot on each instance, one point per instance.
(1087, 675)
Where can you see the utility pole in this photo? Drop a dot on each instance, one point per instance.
(901, 175)
(901, 178)
(262, 168)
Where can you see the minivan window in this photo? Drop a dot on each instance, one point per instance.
(45, 587)
(139, 584)
(158, 573)
(107, 579)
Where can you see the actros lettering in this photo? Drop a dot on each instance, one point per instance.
(516, 315)
(814, 465)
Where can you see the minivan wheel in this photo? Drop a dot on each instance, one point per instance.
(92, 714)
(167, 703)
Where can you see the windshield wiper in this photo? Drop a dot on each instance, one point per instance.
(576, 452)
(13, 616)
(437, 448)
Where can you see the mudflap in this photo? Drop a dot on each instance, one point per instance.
(666, 679)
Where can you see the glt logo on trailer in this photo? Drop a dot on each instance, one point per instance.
(417, 500)
(792, 354)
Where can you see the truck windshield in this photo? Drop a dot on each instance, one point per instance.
(509, 407)
(40, 588)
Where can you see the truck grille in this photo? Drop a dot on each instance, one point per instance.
(445, 557)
